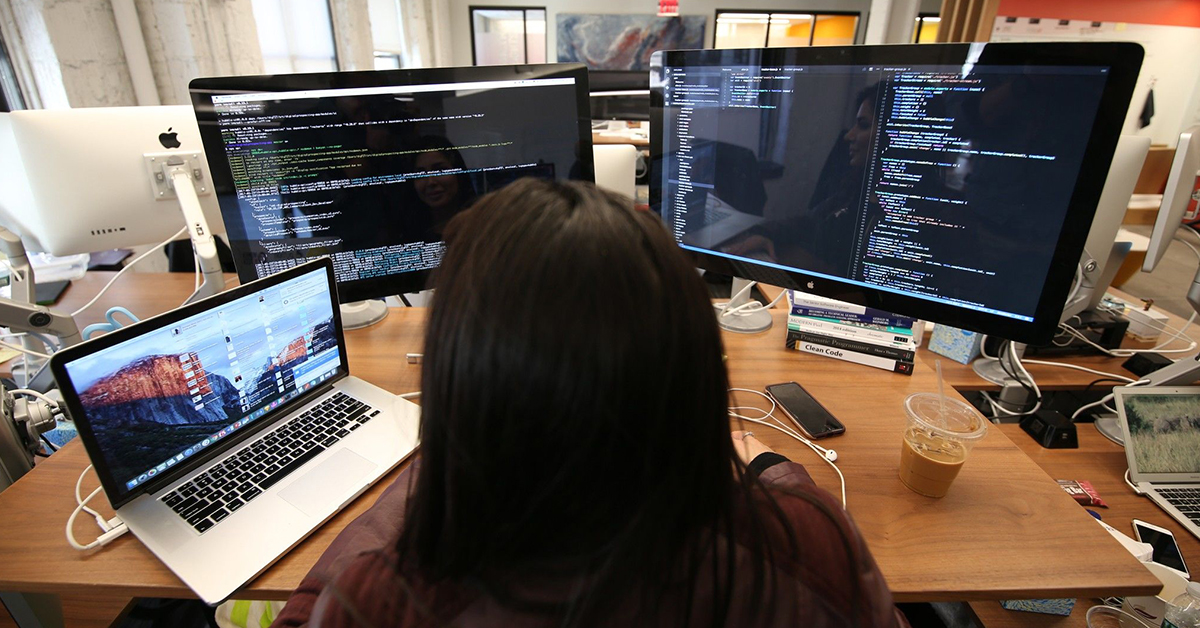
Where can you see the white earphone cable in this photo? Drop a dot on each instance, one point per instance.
(828, 455)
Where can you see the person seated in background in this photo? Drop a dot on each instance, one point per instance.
(576, 465)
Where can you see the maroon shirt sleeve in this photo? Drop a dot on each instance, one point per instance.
(361, 560)
(372, 532)
(823, 517)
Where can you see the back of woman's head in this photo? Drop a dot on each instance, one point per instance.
(573, 396)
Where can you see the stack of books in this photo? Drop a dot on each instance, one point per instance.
(853, 333)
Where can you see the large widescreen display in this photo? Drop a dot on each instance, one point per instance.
(955, 183)
(369, 167)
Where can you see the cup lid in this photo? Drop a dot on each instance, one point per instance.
(960, 420)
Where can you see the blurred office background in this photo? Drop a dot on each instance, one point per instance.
(91, 53)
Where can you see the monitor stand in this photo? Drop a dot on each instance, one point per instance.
(359, 314)
(742, 322)
(1110, 428)
(993, 370)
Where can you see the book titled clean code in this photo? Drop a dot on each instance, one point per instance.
(883, 351)
(850, 332)
(887, 364)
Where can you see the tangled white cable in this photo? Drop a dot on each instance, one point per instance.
(750, 307)
(828, 455)
(110, 529)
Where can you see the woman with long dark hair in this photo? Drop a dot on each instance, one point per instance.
(576, 466)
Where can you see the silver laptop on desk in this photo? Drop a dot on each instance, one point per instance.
(1162, 444)
(226, 431)
(719, 223)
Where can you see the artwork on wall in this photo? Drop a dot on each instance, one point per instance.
(624, 42)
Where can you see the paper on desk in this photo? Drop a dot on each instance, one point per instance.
(7, 354)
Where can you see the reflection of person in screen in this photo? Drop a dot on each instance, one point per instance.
(444, 192)
(821, 238)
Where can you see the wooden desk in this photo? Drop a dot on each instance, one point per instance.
(599, 137)
(963, 378)
(1004, 531)
(1101, 462)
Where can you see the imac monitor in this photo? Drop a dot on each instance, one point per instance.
(1180, 194)
(955, 183)
(77, 180)
(368, 167)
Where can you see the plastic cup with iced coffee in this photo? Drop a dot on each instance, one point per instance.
(940, 434)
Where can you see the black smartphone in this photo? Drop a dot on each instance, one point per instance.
(807, 413)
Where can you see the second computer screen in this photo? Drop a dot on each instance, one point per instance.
(371, 175)
(945, 183)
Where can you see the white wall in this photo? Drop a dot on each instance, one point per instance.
(1169, 65)
(460, 26)
(74, 52)
(193, 38)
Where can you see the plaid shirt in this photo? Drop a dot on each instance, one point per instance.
(358, 582)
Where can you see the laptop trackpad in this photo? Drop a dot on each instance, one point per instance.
(329, 484)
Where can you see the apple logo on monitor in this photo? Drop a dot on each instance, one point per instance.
(169, 139)
(811, 285)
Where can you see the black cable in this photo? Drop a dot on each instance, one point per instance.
(404, 300)
(49, 444)
(1088, 388)
(1081, 396)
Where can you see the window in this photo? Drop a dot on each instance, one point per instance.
(926, 29)
(508, 35)
(10, 90)
(295, 36)
(387, 33)
(744, 29)
(386, 60)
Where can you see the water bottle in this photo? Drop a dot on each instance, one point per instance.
(1184, 610)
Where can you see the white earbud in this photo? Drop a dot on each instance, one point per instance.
(831, 455)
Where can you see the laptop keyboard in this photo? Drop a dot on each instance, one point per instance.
(1187, 500)
(713, 215)
(210, 497)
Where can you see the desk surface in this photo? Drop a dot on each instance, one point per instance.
(1101, 462)
(600, 137)
(1004, 531)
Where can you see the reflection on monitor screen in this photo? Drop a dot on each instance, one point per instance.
(947, 183)
(370, 174)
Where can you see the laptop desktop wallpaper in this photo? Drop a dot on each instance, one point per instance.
(1164, 431)
(154, 400)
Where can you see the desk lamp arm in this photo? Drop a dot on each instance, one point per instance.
(20, 270)
(40, 319)
(21, 314)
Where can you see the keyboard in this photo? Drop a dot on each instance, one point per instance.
(210, 497)
(1186, 500)
(713, 215)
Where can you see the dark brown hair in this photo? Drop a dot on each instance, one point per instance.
(574, 419)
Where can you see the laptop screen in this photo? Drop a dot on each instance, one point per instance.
(1164, 432)
(161, 397)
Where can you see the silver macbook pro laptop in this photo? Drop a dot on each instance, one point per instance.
(226, 431)
(1162, 444)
